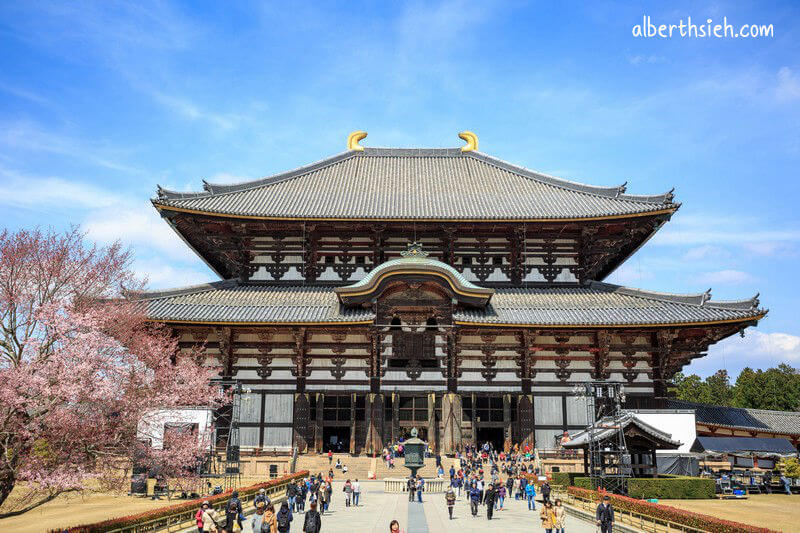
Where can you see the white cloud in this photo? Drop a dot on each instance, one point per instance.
(758, 348)
(706, 251)
(22, 190)
(630, 275)
(725, 276)
(788, 87)
(160, 274)
(26, 135)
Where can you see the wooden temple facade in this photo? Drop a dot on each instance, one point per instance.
(383, 289)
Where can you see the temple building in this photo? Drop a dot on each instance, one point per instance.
(388, 288)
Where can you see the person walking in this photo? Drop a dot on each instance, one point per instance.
(420, 488)
(330, 457)
(561, 516)
(548, 516)
(474, 499)
(232, 521)
(328, 494)
(450, 500)
(356, 492)
(348, 492)
(284, 518)
(545, 492)
(501, 497)
(198, 516)
(523, 482)
(269, 524)
(291, 494)
(411, 486)
(312, 522)
(530, 495)
(489, 501)
(605, 515)
(261, 497)
(209, 518)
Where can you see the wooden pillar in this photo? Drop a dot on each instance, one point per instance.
(525, 419)
(474, 421)
(318, 444)
(433, 427)
(353, 424)
(507, 430)
(300, 422)
(451, 420)
(373, 412)
(395, 416)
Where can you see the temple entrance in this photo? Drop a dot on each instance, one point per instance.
(336, 439)
(494, 436)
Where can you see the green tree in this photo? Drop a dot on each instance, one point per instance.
(689, 388)
(775, 388)
(719, 388)
(790, 467)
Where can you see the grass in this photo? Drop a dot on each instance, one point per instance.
(774, 511)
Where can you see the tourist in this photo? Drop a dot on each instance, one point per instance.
(284, 518)
(450, 500)
(291, 494)
(394, 527)
(440, 473)
(261, 497)
(452, 473)
(322, 495)
(548, 516)
(258, 517)
(530, 495)
(411, 487)
(208, 518)
(300, 498)
(348, 492)
(488, 499)
(312, 522)
(786, 484)
(236, 501)
(328, 494)
(546, 492)
(232, 516)
(344, 469)
(474, 499)
(500, 496)
(338, 463)
(523, 482)
(356, 492)
(479, 484)
(605, 515)
(561, 516)
(330, 456)
(198, 516)
(420, 488)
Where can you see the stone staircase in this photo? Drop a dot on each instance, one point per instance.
(359, 467)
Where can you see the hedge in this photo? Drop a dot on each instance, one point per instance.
(663, 487)
(161, 512)
(565, 479)
(667, 513)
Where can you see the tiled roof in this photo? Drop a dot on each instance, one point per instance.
(606, 428)
(785, 422)
(598, 304)
(422, 184)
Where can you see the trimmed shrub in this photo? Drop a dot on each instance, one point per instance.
(667, 513)
(161, 512)
(671, 488)
(565, 479)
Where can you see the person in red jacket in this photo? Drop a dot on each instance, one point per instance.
(198, 517)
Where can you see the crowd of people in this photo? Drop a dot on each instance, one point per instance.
(316, 492)
(486, 480)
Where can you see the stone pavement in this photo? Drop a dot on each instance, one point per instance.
(377, 509)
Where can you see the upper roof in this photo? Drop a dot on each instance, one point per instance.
(606, 428)
(414, 184)
(600, 304)
(784, 422)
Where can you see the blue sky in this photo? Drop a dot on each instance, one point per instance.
(101, 101)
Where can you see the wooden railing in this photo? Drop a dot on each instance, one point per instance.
(640, 522)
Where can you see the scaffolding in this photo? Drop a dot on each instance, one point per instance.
(226, 469)
(609, 461)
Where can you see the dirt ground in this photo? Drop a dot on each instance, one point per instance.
(75, 509)
(774, 511)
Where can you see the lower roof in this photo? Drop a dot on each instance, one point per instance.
(595, 305)
(763, 420)
(743, 445)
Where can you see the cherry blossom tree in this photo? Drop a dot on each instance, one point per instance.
(79, 367)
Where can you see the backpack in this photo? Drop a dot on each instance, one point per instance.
(283, 521)
(310, 525)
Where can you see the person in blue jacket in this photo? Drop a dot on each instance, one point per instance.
(530, 495)
(474, 500)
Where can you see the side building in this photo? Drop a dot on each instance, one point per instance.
(383, 289)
